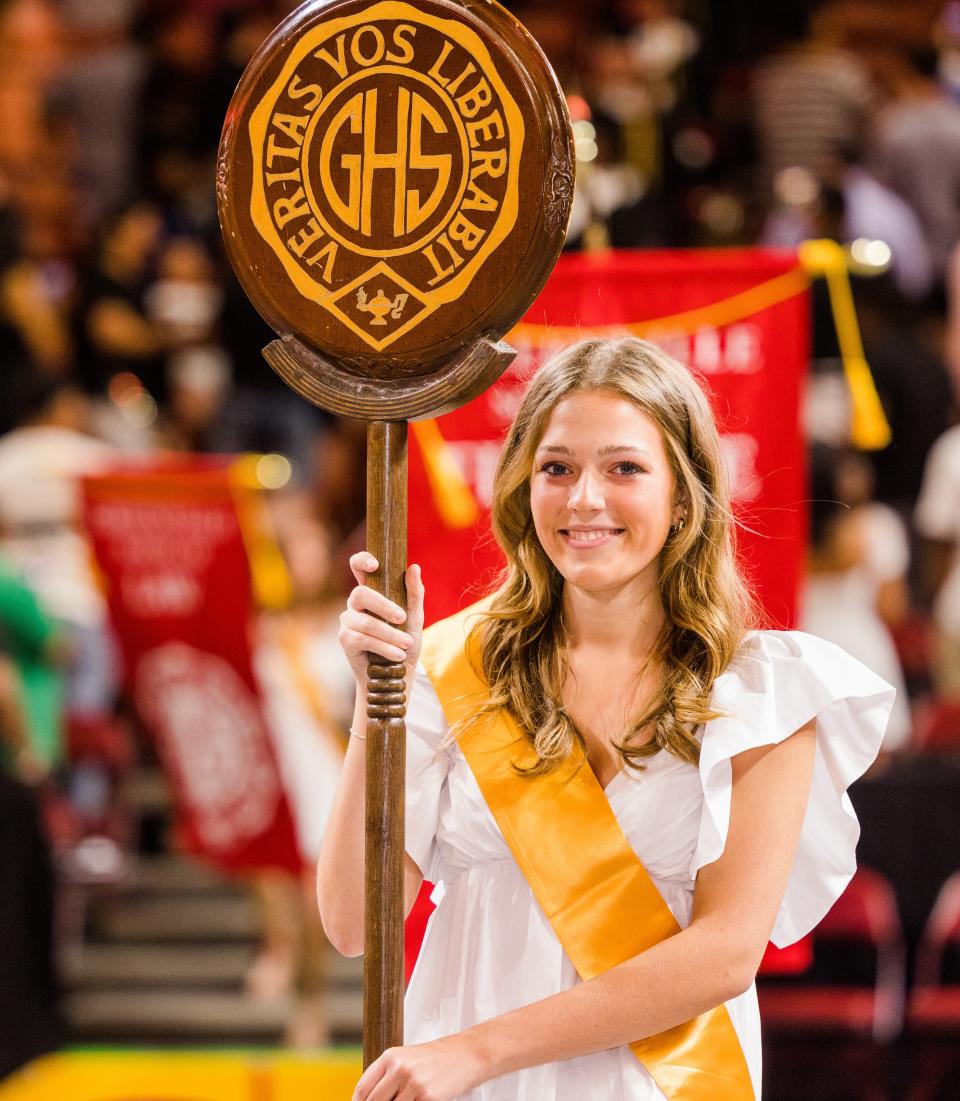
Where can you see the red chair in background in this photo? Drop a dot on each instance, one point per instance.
(838, 1030)
(936, 726)
(933, 1012)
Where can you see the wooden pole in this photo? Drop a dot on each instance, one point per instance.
(386, 751)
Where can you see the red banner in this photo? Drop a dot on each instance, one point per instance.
(173, 545)
(739, 318)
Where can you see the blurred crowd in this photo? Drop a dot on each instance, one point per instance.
(123, 330)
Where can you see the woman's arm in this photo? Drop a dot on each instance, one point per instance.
(340, 889)
(714, 959)
(340, 880)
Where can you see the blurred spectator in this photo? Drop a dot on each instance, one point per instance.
(612, 204)
(104, 66)
(32, 680)
(340, 477)
(854, 205)
(262, 413)
(915, 148)
(856, 576)
(637, 80)
(937, 519)
(198, 381)
(34, 336)
(659, 44)
(947, 39)
(184, 304)
(240, 32)
(29, 991)
(40, 462)
(115, 335)
(308, 702)
(811, 101)
(30, 745)
(560, 32)
(952, 334)
(184, 301)
(31, 51)
(180, 119)
(905, 356)
(874, 212)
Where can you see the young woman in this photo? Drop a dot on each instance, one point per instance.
(622, 791)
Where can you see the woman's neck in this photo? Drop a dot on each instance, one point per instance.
(628, 620)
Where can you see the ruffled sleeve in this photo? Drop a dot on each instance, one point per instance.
(427, 767)
(777, 684)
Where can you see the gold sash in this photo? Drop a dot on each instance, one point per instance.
(597, 896)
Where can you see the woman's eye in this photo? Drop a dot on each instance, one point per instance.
(554, 469)
(628, 468)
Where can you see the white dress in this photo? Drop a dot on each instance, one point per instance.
(489, 949)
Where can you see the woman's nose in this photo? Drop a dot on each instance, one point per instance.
(585, 494)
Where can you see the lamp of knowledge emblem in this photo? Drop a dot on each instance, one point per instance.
(393, 182)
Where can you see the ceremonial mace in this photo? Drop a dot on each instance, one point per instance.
(394, 184)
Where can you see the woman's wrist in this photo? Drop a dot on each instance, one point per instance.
(481, 1052)
(358, 728)
(475, 1063)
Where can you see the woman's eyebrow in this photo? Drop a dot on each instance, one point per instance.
(619, 448)
(610, 449)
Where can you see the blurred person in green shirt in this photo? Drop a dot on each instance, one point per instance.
(33, 655)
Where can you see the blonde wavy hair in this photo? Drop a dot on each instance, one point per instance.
(521, 641)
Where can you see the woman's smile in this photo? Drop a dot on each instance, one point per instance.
(590, 538)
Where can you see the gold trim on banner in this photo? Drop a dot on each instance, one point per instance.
(725, 312)
(271, 582)
(598, 898)
(454, 498)
(869, 430)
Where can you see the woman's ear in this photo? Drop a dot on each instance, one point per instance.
(680, 506)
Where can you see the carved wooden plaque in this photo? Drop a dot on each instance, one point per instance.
(395, 181)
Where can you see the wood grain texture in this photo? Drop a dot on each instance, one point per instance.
(386, 752)
(461, 379)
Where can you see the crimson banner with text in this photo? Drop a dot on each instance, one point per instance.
(174, 545)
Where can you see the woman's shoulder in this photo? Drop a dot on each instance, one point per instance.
(779, 680)
(777, 683)
(790, 653)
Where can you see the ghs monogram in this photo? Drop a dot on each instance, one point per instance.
(386, 157)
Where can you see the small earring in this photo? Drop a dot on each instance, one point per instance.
(678, 526)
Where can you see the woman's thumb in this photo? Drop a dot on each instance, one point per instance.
(415, 588)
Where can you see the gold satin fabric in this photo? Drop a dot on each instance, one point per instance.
(597, 896)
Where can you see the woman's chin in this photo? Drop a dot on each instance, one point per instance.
(605, 579)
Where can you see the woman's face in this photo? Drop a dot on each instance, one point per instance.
(602, 493)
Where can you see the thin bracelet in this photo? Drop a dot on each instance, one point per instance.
(359, 737)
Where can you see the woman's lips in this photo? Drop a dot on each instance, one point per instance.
(589, 538)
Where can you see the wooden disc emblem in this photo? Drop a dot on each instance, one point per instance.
(394, 182)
